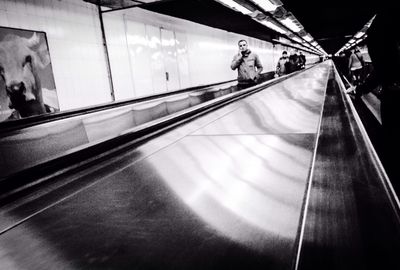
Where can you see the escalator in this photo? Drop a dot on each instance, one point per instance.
(280, 176)
(33, 149)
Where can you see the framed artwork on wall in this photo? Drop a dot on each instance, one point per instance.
(27, 86)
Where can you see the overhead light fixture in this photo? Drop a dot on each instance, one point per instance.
(359, 34)
(291, 25)
(307, 38)
(297, 39)
(266, 5)
(232, 4)
(273, 26)
(314, 43)
(368, 24)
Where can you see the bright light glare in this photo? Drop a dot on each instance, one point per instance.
(291, 25)
(236, 6)
(307, 38)
(296, 39)
(265, 5)
(359, 34)
(273, 26)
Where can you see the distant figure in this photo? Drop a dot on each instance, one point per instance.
(248, 65)
(303, 60)
(342, 62)
(356, 64)
(294, 62)
(383, 43)
(282, 66)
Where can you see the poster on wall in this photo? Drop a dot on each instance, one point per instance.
(27, 86)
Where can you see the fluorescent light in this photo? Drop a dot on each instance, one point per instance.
(266, 5)
(297, 39)
(368, 24)
(351, 41)
(291, 25)
(307, 38)
(359, 34)
(273, 26)
(314, 43)
(236, 6)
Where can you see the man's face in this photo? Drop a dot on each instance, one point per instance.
(242, 46)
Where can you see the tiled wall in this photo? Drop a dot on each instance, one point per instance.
(74, 39)
(143, 46)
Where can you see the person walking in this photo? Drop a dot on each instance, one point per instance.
(356, 64)
(248, 65)
(282, 66)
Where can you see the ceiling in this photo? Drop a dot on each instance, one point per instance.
(118, 4)
(214, 14)
(331, 23)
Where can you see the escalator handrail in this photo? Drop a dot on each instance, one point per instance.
(7, 126)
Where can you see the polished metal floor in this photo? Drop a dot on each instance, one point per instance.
(223, 192)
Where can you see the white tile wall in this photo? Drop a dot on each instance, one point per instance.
(75, 44)
(203, 53)
(156, 60)
(183, 59)
(119, 59)
(139, 55)
(169, 50)
(197, 54)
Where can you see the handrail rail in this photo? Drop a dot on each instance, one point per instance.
(366, 101)
(7, 126)
(394, 200)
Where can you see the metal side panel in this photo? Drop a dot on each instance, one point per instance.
(351, 221)
(202, 203)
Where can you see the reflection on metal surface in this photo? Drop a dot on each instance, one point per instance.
(183, 201)
(292, 106)
(244, 177)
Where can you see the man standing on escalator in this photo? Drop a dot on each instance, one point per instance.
(248, 65)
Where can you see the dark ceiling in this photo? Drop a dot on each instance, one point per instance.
(331, 23)
(214, 14)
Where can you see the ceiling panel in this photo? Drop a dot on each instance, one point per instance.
(214, 14)
(331, 23)
(118, 4)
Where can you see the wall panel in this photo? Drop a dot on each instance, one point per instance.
(193, 55)
(73, 34)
